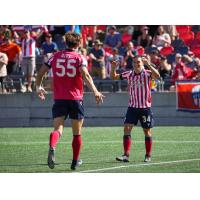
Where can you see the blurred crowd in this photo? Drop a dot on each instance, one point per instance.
(173, 49)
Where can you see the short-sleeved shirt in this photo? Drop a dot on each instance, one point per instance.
(139, 88)
(67, 78)
(49, 48)
(112, 40)
(98, 54)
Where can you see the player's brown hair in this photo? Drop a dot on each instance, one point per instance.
(72, 39)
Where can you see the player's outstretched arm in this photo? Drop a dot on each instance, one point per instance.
(40, 76)
(88, 79)
(113, 74)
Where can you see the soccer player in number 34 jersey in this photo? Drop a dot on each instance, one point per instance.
(139, 83)
(68, 68)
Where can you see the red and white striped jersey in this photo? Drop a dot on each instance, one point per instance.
(29, 27)
(28, 47)
(139, 88)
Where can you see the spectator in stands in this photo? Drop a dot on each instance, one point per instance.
(117, 58)
(129, 55)
(178, 59)
(13, 51)
(197, 69)
(144, 39)
(180, 72)
(73, 28)
(165, 71)
(113, 38)
(171, 30)
(188, 61)
(164, 68)
(161, 39)
(3, 70)
(155, 58)
(5, 32)
(28, 58)
(97, 54)
(48, 46)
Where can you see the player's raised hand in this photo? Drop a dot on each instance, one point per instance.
(41, 92)
(99, 97)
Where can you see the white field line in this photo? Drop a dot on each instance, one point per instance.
(138, 165)
(100, 142)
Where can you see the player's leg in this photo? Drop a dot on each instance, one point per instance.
(148, 144)
(76, 115)
(53, 140)
(76, 142)
(130, 120)
(147, 123)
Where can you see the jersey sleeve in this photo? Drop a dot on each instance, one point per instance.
(125, 75)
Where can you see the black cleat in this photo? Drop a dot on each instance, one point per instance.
(123, 158)
(51, 158)
(75, 164)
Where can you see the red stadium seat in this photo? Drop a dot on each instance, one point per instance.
(182, 29)
(196, 51)
(193, 43)
(126, 38)
(166, 50)
(198, 36)
(108, 50)
(187, 36)
(140, 50)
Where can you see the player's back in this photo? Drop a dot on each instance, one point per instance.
(67, 78)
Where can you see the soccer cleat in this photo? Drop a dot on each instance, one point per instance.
(147, 158)
(75, 164)
(123, 158)
(51, 158)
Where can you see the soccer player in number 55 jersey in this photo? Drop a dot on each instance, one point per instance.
(139, 82)
(68, 68)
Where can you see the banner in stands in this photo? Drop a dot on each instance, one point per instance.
(188, 96)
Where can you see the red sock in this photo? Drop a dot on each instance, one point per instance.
(148, 145)
(53, 139)
(76, 146)
(127, 144)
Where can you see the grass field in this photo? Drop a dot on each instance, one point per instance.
(175, 149)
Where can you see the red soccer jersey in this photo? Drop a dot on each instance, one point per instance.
(139, 88)
(67, 78)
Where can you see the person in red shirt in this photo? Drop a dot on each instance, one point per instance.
(68, 68)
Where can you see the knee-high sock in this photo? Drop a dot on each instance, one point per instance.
(76, 146)
(53, 139)
(148, 145)
(127, 144)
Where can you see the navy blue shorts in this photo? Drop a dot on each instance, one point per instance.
(144, 115)
(72, 108)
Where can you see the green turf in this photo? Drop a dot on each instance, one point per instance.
(25, 150)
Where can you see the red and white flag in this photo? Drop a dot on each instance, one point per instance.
(188, 96)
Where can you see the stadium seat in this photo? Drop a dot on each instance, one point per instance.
(166, 50)
(195, 28)
(196, 51)
(171, 58)
(182, 29)
(182, 50)
(140, 50)
(186, 36)
(198, 36)
(126, 38)
(193, 43)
